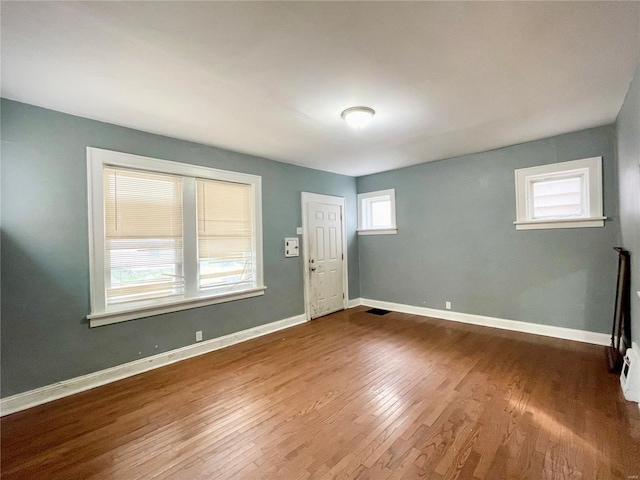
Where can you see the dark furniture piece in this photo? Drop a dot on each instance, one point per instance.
(621, 330)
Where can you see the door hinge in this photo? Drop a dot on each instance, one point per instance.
(343, 296)
(343, 256)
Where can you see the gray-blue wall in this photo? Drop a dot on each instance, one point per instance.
(456, 240)
(628, 151)
(45, 259)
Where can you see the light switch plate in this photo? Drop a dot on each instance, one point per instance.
(298, 230)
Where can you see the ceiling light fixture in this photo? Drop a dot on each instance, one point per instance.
(358, 117)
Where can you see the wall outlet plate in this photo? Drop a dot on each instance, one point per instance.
(448, 305)
(199, 336)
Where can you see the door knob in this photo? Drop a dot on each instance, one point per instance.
(313, 269)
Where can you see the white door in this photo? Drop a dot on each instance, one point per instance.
(325, 258)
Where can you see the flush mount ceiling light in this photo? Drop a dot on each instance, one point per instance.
(358, 117)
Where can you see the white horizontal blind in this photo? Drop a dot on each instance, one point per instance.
(225, 235)
(143, 235)
(558, 198)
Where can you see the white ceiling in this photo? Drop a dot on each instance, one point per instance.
(271, 78)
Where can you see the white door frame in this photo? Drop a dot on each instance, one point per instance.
(329, 200)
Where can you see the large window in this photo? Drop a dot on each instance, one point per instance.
(377, 212)
(560, 195)
(166, 236)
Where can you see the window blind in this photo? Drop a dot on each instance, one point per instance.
(560, 198)
(225, 234)
(143, 235)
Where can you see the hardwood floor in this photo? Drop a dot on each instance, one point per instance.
(351, 395)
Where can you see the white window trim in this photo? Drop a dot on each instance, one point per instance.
(589, 169)
(101, 315)
(391, 193)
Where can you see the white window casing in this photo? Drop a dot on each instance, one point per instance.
(377, 213)
(183, 223)
(560, 195)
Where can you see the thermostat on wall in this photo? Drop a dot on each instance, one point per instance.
(291, 247)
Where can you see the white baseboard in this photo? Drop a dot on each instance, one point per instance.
(515, 325)
(22, 401)
(355, 302)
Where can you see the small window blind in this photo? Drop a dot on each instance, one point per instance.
(143, 235)
(225, 234)
(561, 198)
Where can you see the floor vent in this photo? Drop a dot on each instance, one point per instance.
(378, 311)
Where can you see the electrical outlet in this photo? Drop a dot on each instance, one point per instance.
(448, 305)
(199, 336)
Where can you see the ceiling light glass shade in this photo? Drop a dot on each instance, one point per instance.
(358, 117)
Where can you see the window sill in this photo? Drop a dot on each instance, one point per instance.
(125, 314)
(379, 231)
(568, 223)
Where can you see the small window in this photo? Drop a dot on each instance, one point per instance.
(377, 213)
(560, 195)
(167, 236)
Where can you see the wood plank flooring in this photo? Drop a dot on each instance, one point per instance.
(351, 395)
